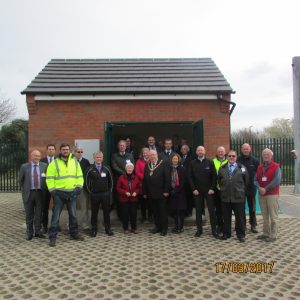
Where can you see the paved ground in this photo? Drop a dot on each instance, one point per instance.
(146, 266)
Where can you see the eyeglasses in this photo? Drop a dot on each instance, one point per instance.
(231, 155)
(79, 151)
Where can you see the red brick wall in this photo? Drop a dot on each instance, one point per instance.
(65, 121)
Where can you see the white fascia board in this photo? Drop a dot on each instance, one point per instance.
(125, 97)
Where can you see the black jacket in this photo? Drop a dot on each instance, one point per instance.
(233, 189)
(118, 162)
(251, 163)
(157, 183)
(202, 175)
(98, 182)
(84, 164)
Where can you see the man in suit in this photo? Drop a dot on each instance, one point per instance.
(167, 152)
(51, 149)
(32, 180)
(84, 197)
(152, 145)
(156, 188)
(186, 159)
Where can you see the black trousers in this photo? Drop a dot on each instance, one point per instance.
(104, 200)
(200, 206)
(45, 209)
(252, 209)
(239, 213)
(128, 213)
(219, 214)
(160, 213)
(145, 207)
(33, 211)
(178, 215)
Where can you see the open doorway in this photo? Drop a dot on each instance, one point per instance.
(139, 132)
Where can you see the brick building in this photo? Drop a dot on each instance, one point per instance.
(106, 99)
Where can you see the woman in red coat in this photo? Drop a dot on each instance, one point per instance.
(139, 172)
(128, 188)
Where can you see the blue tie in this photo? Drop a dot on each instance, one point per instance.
(231, 169)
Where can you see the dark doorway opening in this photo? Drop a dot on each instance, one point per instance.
(139, 132)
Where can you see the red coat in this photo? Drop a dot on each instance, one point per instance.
(139, 172)
(123, 188)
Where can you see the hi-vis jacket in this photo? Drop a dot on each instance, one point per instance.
(64, 175)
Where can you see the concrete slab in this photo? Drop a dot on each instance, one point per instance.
(146, 266)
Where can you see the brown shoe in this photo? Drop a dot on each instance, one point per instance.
(134, 231)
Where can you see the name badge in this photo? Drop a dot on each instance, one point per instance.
(264, 178)
(43, 175)
(243, 170)
(103, 174)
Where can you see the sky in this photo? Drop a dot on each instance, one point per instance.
(252, 42)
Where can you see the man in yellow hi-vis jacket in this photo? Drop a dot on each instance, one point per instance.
(64, 180)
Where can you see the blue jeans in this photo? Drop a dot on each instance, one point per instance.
(61, 198)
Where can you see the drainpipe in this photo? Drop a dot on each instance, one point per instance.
(220, 98)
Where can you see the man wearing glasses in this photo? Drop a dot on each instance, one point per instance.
(83, 198)
(233, 179)
(64, 180)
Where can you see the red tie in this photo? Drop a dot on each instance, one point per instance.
(35, 177)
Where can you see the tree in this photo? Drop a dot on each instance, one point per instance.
(15, 132)
(245, 134)
(280, 128)
(7, 109)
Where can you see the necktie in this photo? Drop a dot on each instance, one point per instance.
(231, 169)
(99, 168)
(50, 160)
(35, 177)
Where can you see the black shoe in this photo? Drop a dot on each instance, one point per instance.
(215, 235)
(93, 233)
(180, 230)
(164, 233)
(270, 240)
(198, 233)
(39, 235)
(154, 230)
(262, 237)
(253, 229)
(219, 229)
(29, 237)
(175, 230)
(242, 239)
(77, 237)
(224, 237)
(52, 242)
(109, 232)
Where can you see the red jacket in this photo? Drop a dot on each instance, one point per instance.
(139, 172)
(123, 188)
(269, 176)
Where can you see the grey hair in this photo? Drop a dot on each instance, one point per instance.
(96, 153)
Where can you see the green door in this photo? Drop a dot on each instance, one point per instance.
(197, 134)
(108, 142)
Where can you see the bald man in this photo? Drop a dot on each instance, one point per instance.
(203, 180)
(251, 163)
(32, 180)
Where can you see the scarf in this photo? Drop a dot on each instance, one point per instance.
(174, 177)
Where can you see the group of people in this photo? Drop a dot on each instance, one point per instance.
(162, 181)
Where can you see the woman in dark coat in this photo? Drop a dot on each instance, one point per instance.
(177, 194)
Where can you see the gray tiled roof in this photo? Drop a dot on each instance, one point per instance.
(127, 76)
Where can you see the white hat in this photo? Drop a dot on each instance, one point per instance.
(129, 163)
